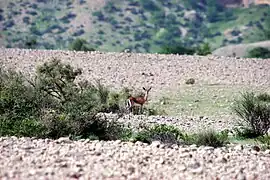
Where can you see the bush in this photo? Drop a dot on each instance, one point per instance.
(20, 105)
(163, 133)
(81, 45)
(172, 135)
(210, 138)
(255, 114)
(244, 133)
(204, 50)
(259, 52)
(265, 141)
(263, 97)
(53, 105)
(178, 49)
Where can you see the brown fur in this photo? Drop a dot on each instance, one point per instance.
(140, 100)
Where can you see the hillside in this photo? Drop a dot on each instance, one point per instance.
(240, 50)
(142, 26)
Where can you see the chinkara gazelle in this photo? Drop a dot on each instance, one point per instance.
(137, 101)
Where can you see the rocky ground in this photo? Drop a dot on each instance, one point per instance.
(184, 123)
(27, 158)
(162, 72)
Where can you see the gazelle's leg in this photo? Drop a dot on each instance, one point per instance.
(129, 106)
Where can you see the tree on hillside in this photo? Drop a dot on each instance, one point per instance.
(81, 45)
(266, 29)
(212, 10)
(259, 52)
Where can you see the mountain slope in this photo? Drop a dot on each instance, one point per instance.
(114, 25)
(240, 50)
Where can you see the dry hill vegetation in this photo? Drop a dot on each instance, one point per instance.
(141, 26)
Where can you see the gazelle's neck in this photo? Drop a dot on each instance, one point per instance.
(146, 96)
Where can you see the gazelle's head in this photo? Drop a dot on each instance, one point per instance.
(146, 92)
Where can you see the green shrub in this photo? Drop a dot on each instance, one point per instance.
(53, 105)
(204, 50)
(264, 97)
(162, 133)
(254, 113)
(21, 127)
(81, 45)
(210, 138)
(245, 133)
(57, 80)
(264, 141)
(259, 52)
(172, 135)
(177, 49)
(20, 105)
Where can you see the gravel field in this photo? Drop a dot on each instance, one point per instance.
(162, 72)
(184, 123)
(29, 158)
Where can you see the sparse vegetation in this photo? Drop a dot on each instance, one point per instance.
(81, 45)
(259, 52)
(53, 105)
(264, 97)
(172, 135)
(204, 49)
(177, 49)
(210, 138)
(264, 141)
(254, 114)
(162, 133)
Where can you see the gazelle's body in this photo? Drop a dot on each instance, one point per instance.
(138, 100)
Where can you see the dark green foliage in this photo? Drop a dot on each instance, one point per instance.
(204, 50)
(172, 135)
(99, 15)
(162, 133)
(265, 141)
(81, 45)
(266, 29)
(20, 127)
(259, 52)
(213, 10)
(255, 114)
(31, 43)
(264, 97)
(53, 105)
(177, 49)
(57, 80)
(211, 138)
(149, 5)
(20, 105)
(245, 133)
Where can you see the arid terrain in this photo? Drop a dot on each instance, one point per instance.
(218, 81)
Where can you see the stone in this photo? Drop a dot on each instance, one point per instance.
(239, 147)
(156, 144)
(63, 140)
